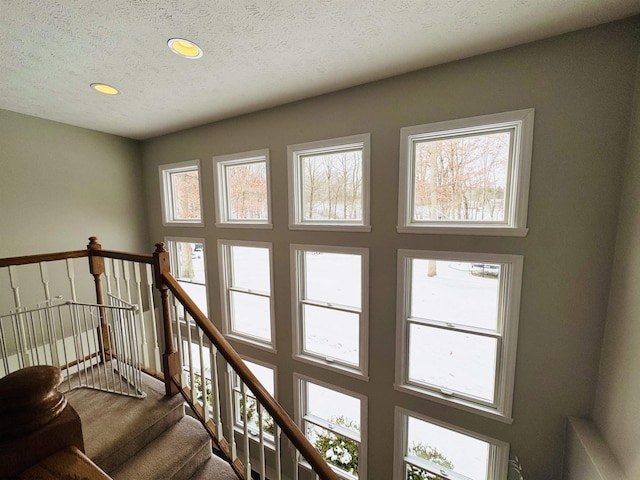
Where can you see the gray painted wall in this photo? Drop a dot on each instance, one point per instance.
(61, 184)
(581, 86)
(617, 409)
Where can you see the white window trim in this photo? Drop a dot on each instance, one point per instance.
(300, 407)
(221, 199)
(361, 372)
(498, 450)
(225, 276)
(166, 197)
(173, 263)
(509, 310)
(294, 152)
(254, 434)
(517, 182)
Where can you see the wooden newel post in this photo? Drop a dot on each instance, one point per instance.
(96, 267)
(170, 360)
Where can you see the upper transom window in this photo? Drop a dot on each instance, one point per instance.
(468, 176)
(329, 184)
(242, 193)
(180, 189)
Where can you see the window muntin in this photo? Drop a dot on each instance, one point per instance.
(330, 306)
(457, 324)
(180, 188)
(333, 422)
(468, 176)
(329, 184)
(243, 189)
(430, 449)
(188, 268)
(266, 376)
(245, 276)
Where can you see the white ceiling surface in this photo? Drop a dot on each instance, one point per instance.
(257, 53)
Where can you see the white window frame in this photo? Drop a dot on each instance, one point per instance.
(220, 163)
(224, 256)
(498, 450)
(254, 434)
(169, 242)
(166, 192)
(507, 332)
(300, 415)
(520, 122)
(297, 301)
(297, 151)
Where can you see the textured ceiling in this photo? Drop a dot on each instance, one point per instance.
(257, 53)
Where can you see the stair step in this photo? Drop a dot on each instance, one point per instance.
(175, 455)
(215, 469)
(116, 427)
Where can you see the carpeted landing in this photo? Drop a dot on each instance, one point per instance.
(145, 439)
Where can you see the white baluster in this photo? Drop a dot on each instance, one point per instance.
(192, 375)
(108, 262)
(231, 417)
(216, 391)
(245, 430)
(71, 274)
(203, 380)
(126, 270)
(116, 276)
(276, 440)
(263, 475)
(143, 329)
(13, 279)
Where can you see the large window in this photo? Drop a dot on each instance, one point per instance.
(188, 267)
(266, 375)
(242, 193)
(457, 328)
(329, 184)
(334, 421)
(426, 449)
(468, 176)
(330, 306)
(180, 189)
(246, 281)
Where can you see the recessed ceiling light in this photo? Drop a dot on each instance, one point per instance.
(104, 88)
(184, 48)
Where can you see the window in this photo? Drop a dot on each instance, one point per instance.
(427, 449)
(245, 276)
(330, 306)
(188, 267)
(329, 184)
(334, 422)
(242, 182)
(457, 328)
(468, 176)
(180, 189)
(266, 375)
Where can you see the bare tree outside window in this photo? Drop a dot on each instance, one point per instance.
(332, 186)
(461, 178)
(186, 195)
(247, 191)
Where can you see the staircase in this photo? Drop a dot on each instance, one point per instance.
(148, 438)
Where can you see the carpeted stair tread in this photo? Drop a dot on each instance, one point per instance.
(115, 427)
(215, 469)
(176, 454)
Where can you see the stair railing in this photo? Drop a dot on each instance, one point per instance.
(212, 378)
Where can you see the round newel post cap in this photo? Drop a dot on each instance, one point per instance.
(29, 399)
(160, 247)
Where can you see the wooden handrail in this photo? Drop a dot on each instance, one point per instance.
(43, 257)
(132, 257)
(281, 417)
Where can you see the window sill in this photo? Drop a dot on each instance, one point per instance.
(182, 224)
(330, 365)
(330, 227)
(253, 343)
(464, 230)
(244, 225)
(458, 403)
